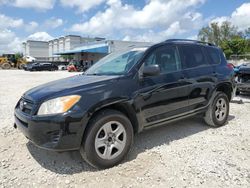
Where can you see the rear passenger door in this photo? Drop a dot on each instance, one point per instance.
(199, 73)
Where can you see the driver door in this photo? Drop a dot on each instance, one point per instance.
(164, 96)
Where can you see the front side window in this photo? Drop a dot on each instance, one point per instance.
(118, 63)
(166, 57)
(192, 56)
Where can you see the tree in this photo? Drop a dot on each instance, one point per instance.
(18, 56)
(247, 33)
(216, 34)
(247, 37)
(235, 46)
(227, 37)
(67, 57)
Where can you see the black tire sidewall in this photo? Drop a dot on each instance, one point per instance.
(89, 144)
(215, 120)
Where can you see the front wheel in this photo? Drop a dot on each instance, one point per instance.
(108, 139)
(21, 66)
(218, 111)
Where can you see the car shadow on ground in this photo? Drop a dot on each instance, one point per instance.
(241, 99)
(71, 162)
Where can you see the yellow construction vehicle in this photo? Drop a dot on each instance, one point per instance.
(5, 63)
(10, 60)
(20, 63)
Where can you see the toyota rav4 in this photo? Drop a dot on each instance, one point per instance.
(99, 111)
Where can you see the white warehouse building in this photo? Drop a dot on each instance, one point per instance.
(80, 48)
(37, 49)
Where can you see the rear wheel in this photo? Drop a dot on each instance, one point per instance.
(218, 111)
(108, 139)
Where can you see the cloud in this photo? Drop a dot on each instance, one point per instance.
(240, 17)
(8, 22)
(3, 2)
(157, 20)
(40, 5)
(9, 42)
(53, 23)
(49, 24)
(31, 26)
(35, 4)
(82, 5)
(40, 36)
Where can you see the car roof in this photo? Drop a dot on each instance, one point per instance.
(187, 42)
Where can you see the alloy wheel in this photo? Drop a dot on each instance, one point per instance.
(221, 109)
(110, 140)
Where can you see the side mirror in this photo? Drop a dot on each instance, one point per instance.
(151, 70)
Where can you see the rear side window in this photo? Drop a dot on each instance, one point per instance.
(214, 55)
(192, 56)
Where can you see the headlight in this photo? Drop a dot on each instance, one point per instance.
(58, 105)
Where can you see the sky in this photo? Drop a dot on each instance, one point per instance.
(135, 20)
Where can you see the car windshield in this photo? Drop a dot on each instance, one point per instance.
(118, 63)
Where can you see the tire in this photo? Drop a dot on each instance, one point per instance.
(6, 66)
(101, 137)
(21, 66)
(218, 111)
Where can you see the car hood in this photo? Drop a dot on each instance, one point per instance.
(67, 86)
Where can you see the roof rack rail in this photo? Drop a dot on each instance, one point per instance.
(188, 40)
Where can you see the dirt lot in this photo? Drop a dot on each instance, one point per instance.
(182, 154)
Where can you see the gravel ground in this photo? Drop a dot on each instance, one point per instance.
(181, 154)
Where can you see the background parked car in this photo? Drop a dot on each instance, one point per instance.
(62, 67)
(243, 78)
(41, 67)
(29, 59)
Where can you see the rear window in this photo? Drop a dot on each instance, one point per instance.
(214, 55)
(193, 56)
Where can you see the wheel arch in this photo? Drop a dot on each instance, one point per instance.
(121, 106)
(226, 88)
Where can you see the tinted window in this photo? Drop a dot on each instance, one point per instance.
(214, 55)
(166, 57)
(192, 56)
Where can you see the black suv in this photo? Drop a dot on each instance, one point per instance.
(41, 67)
(125, 93)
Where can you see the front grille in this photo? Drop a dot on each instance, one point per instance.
(55, 136)
(26, 106)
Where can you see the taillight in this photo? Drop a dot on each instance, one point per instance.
(230, 66)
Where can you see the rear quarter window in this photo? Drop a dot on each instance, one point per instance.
(214, 55)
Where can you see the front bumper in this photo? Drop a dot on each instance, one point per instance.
(60, 132)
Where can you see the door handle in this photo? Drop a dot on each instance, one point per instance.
(215, 74)
(182, 78)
